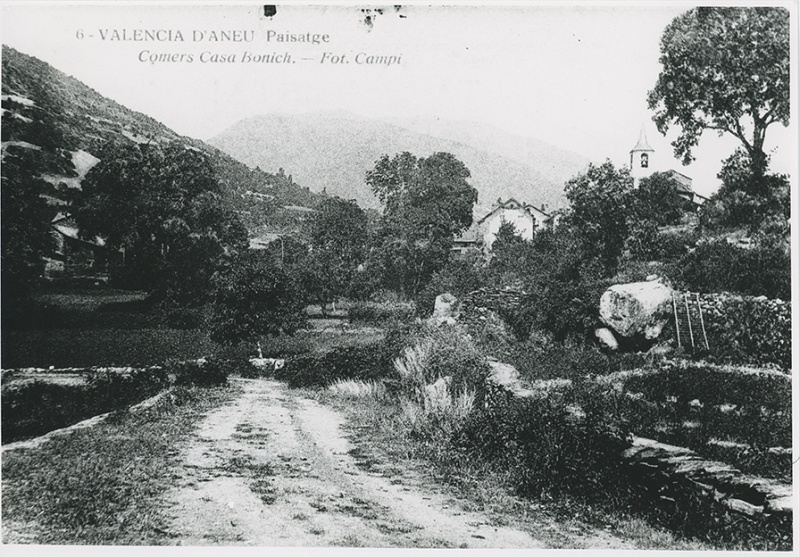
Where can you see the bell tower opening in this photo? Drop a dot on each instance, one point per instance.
(641, 158)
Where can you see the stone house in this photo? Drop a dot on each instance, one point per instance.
(525, 217)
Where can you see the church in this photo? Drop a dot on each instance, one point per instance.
(527, 218)
(643, 164)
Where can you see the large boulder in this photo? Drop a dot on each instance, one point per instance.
(637, 308)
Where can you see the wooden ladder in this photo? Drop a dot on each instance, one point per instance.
(690, 329)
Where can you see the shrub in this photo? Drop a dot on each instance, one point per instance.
(554, 360)
(547, 449)
(748, 330)
(441, 376)
(366, 363)
(437, 353)
(459, 277)
(717, 265)
(206, 372)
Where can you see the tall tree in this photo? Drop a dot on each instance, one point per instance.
(26, 233)
(165, 208)
(427, 201)
(600, 202)
(724, 69)
(338, 234)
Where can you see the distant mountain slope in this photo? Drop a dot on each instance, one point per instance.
(60, 126)
(334, 150)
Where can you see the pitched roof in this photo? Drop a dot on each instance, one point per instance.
(683, 182)
(512, 203)
(642, 144)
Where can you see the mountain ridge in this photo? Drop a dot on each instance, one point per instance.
(54, 124)
(332, 151)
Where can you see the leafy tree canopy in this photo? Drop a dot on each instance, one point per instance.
(658, 200)
(724, 69)
(427, 201)
(26, 231)
(254, 297)
(433, 191)
(339, 235)
(599, 210)
(165, 208)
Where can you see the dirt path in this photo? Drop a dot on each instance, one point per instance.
(273, 469)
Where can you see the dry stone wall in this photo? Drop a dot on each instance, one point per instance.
(748, 330)
(677, 477)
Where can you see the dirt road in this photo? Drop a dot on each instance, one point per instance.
(272, 468)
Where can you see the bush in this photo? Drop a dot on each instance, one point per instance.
(547, 449)
(554, 360)
(654, 245)
(748, 330)
(206, 372)
(717, 266)
(459, 277)
(365, 363)
(442, 376)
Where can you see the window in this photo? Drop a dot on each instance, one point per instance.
(645, 160)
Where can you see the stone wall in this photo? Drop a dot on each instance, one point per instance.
(676, 479)
(499, 300)
(748, 330)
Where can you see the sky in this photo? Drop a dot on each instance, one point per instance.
(575, 76)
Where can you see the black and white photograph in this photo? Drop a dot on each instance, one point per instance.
(317, 276)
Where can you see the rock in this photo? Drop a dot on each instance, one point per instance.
(605, 336)
(446, 309)
(263, 363)
(438, 392)
(636, 308)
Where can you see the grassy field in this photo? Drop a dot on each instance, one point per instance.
(100, 485)
(73, 327)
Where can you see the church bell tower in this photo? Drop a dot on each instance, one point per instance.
(641, 159)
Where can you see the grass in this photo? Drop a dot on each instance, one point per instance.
(101, 485)
(83, 327)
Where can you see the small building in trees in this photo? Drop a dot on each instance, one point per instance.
(525, 217)
(75, 257)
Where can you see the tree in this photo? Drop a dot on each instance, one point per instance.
(745, 200)
(165, 208)
(26, 233)
(658, 200)
(427, 201)
(338, 234)
(724, 69)
(506, 247)
(254, 297)
(599, 211)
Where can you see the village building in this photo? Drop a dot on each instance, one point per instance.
(525, 217)
(75, 257)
